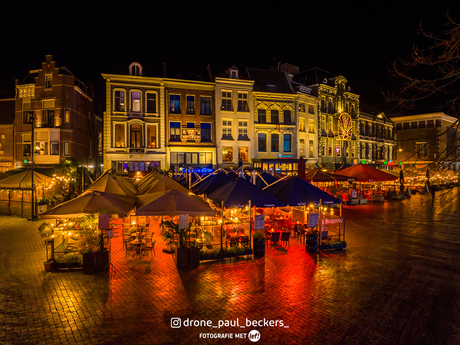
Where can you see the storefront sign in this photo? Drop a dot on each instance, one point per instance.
(259, 222)
(332, 221)
(282, 156)
(191, 134)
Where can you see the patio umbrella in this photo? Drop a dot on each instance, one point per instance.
(90, 203)
(113, 184)
(265, 179)
(294, 191)
(315, 175)
(170, 203)
(238, 192)
(365, 173)
(214, 182)
(24, 180)
(146, 179)
(162, 184)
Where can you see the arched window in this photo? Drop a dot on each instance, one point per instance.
(135, 69)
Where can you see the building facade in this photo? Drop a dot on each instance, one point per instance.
(134, 122)
(426, 138)
(64, 119)
(234, 119)
(7, 118)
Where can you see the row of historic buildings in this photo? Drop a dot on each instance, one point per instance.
(259, 118)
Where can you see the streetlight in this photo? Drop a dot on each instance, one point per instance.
(31, 120)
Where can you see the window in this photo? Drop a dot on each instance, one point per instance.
(430, 123)
(119, 101)
(287, 143)
(422, 150)
(323, 147)
(205, 105)
(243, 154)
(135, 136)
(47, 113)
(337, 150)
(262, 142)
(302, 147)
(205, 132)
(310, 149)
(329, 148)
(421, 124)
(48, 81)
(26, 113)
(406, 125)
(227, 130)
(243, 130)
(311, 126)
(26, 145)
(177, 158)
(302, 107)
(174, 131)
(190, 105)
(54, 148)
(413, 125)
(243, 102)
(41, 143)
(151, 136)
(151, 102)
(399, 126)
(287, 117)
(311, 109)
(262, 115)
(66, 148)
(66, 115)
(275, 120)
(174, 104)
(226, 100)
(120, 135)
(135, 101)
(227, 154)
(438, 123)
(301, 124)
(275, 144)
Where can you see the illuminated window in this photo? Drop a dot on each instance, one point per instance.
(275, 143)
(243, 130)
(422, 150)
(48, 81)
(302, 107)
(174, 131)
(119, 101)
(287, 117)
(152, 136)
(311, 109)
(262, 142)
(26, 145)
(243, 102)
(243, 153)
(301, 124)
(66, 149)
(226, 100)
(135, 101)
(227, 130)
(190, 105)
(262, 115)
(311, 126)
(66, 115)
(337, 150)
(302, 147)
(275, 120)
(205, 105)
(287, 143)
(310, 149)
(120, 135)
(47, 119)
(26, 113)
(136, 136)
(174, 104)
(227, 154)
(151, 102)
(54, 148)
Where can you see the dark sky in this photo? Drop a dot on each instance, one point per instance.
(355, 39)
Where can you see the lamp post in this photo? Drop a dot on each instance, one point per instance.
(31, 120)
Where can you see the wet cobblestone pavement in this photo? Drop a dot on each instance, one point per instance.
(398, 282)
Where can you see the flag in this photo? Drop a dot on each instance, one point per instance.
(318, 165)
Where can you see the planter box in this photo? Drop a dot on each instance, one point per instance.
(259, 247)
(89, 266)
(332, 246)
(42, 208)
(209, 257)
(102, 260)
(182, 257)
(60, 265)
(194, 257)
(363, 201)
(49, 266)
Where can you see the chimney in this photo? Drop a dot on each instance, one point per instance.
(164, 70)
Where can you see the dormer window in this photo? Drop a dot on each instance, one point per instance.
(234, 72)
(135, 69)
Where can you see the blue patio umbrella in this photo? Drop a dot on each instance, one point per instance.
(265, 179)
(214, 182)
(238, 192)
(294, 191)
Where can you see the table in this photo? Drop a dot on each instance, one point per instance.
(138, 244)
(135, 234)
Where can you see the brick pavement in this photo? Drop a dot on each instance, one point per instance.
(397, 283)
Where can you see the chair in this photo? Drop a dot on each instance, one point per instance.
(149, 247)
(285, 238)
(126, 239)
(275, 238)
(233, 241)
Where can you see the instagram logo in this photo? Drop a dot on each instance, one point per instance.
(175, 322)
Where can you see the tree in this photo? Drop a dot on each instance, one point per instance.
(69, 169)
(431, 74)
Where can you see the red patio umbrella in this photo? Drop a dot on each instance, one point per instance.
(365, 173)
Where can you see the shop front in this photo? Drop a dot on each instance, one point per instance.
(284, 164)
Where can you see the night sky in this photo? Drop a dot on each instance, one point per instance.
(355, 39)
